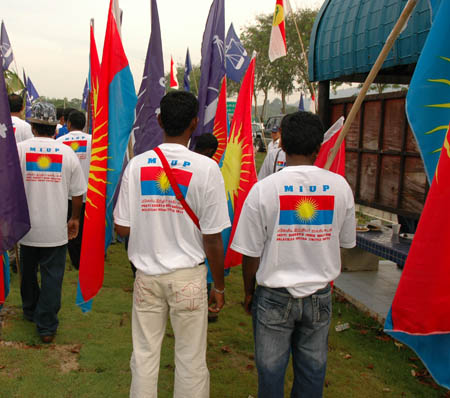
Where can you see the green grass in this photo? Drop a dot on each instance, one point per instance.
(92, 351)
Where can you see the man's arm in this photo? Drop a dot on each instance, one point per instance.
(74, 222)
(214, 253)
(121, 230)
(249, 267)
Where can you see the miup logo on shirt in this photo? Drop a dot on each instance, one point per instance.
(44, 162)
(77, 145)
(306, 210)
(154, 181)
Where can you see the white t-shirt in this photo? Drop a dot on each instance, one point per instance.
(22, 129)
(274, 162)
(51, 173)
(273, 145)
(81, 144)
(296, 220)
(163, 237)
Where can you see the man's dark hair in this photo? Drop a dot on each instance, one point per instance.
(77, 120)
(15, 103)
(206, 145)
(178, 108)
(301, 133)
(59, 112)
(67, 112)
(44, 129)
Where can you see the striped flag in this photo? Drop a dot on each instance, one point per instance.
(277, 45)
(112, 126)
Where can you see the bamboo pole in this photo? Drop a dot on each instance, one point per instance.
(409, 8)
(311, 87)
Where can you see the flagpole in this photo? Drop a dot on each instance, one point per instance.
(396, 31)
(311, 87)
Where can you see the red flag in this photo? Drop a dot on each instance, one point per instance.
(238, 168)
(277, 45)
(220, 122)
(422, 302)
(173, 75)
(329, 140)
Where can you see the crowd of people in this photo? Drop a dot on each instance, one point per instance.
(172, 209)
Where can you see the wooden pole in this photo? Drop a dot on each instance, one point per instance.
(311, 87)
(409, 8)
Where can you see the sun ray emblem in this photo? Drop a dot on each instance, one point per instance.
(44, 162)
(74, 145)
(306, 209)
(163, 183)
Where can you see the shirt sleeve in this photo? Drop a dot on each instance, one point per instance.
(250, 233)
(267, 167)
(347, 235)
(122, 209)
(78, 185)
(214, 214)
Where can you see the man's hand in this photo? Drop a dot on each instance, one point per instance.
(248, 300)
(216, 301)
(73, 226)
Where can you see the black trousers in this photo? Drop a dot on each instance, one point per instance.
(74, 245)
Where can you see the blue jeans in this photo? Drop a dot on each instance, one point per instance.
(283, 324)
(42, 304)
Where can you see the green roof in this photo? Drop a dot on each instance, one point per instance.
(348, 35)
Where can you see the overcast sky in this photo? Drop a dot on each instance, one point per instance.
(50, 38)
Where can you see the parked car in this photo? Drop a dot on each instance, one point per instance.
(257, 133)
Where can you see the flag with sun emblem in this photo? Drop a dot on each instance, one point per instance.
(428, 99)
(221, 123)
(114, 116)
(238, 167)
(420, 312)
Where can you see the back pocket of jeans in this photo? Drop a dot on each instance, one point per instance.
(270, 311)
(321, 307)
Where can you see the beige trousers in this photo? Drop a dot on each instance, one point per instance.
(182, 295)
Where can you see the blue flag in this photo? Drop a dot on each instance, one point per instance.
(237, 59)
(14, 217)
(147, 132)
(187, 71)
(301, 104)
(85, 100)
(212, 69)
(427, 102)
(32, 95)
(7, 54)
(4, 278)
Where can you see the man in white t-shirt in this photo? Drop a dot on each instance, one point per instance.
(81, 144)
(275, 143)
(51, 172)
(274, 161)
(22, 129)
(290, 231)
(168, 247)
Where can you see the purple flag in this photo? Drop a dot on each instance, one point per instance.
(85, 100)
(187, 71)
(147, 132)
(6, 49)
(212, 69)
(237, 59)
(14, 217)
(301, 104)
